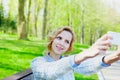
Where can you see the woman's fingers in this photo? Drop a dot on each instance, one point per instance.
(106, 37)
(118, 51)
(106, 43)
(103, 47)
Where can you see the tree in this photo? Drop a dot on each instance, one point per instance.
(21, 27)
(28, 16)
(37, 7)
(82, 22)
(44, 20)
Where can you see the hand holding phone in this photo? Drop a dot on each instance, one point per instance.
(115, 36)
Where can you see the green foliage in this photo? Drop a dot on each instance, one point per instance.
(78, 48)
(8, 23)
(81, 46)
(1, 15)
(92, 14)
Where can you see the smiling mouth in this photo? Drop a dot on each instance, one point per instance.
(59, 47)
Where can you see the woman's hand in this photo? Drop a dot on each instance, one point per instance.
(100, 46)
(109, 59)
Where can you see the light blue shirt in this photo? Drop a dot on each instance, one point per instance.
(46, 68)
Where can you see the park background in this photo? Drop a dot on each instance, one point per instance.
(25, 25)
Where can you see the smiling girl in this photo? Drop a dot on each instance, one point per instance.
(53, 66)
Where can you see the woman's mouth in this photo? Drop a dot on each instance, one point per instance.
(59, 47)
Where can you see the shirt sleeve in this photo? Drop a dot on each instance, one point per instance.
(104, 64)
(50, 70)
(72, 62)
(91, 65)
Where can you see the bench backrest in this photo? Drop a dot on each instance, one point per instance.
(24, 75)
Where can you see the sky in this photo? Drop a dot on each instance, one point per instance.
(6, 8)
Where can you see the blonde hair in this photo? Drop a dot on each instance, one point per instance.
(58, 31)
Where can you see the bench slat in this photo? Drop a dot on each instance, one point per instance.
(20, 75)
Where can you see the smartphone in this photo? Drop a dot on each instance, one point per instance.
(115, 36)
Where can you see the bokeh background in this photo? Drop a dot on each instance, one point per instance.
(25, 25)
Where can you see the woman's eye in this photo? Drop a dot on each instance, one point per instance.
(59, 38)
(67, 41)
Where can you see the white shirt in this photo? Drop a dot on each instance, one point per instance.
(46, 68)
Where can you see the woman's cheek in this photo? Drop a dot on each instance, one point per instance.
(67, 47)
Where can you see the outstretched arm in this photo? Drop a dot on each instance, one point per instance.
(99, 47)
(89, 61)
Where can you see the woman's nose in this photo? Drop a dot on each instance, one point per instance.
(62, 42)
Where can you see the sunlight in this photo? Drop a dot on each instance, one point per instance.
(114, 4)
(6, 7)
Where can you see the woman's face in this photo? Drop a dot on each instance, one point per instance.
(62, 42)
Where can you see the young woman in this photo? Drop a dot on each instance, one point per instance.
(53, 66)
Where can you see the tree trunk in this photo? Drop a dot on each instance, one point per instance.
(69, 17)
(44, 20)
(28, 16)
(82, 22)
(22, 28)
(37, 7)
(91, 36)
(35, 17)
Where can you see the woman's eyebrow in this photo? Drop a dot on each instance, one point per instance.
(58, 36)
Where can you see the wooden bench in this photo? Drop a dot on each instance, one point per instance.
(23, 75)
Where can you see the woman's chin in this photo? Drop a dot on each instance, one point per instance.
(58, 52)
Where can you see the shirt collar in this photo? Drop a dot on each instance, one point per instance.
(49, 58)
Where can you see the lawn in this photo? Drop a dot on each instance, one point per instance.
(16, 55)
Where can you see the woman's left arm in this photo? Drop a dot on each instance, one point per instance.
(91, 65)
(88, 60)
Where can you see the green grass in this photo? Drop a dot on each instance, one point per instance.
(16, 55)
(83, 77)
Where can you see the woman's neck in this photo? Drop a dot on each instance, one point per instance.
(55, 56)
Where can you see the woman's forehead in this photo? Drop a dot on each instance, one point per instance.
(66, 34)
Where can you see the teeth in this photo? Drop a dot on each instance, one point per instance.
(59, 47)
